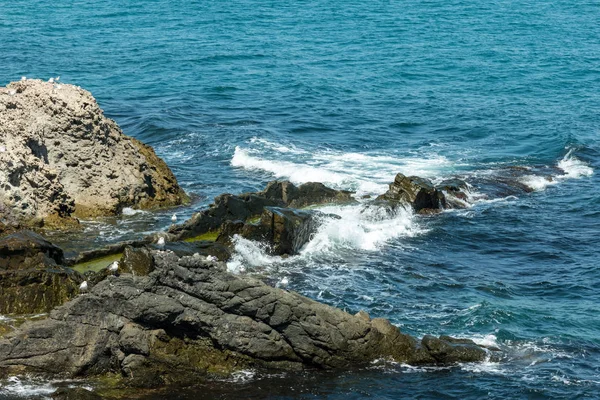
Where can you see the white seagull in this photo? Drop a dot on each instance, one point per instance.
(114, 267)
(51, 80)
(23, 78)
(83, 287)
(161, 242)
(174, 218)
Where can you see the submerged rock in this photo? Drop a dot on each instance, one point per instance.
(418, 192)
(190, 319)
(32, 279)
(62, 158)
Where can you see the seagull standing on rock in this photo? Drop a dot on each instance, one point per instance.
(161, 242)
(114, 267)
(174, 218)
(83, 287)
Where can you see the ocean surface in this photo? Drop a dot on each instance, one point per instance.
(349, 93)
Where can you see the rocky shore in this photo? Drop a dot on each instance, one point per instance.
(171, 313)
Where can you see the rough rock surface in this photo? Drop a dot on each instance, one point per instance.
(285, 230)
(228, 207)
(418, 192)
(60, 157)
(32, 279)
(189, 318)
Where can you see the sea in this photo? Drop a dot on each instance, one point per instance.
(234, 94)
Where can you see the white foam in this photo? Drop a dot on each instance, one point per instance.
(572, 167)
(130, 211)
(14, 386)
(360, 228)
(249, 254)
(356, 227)
(489, 340)
(365, 173)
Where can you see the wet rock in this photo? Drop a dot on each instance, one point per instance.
(307, 194)
(190, 319)
(446, 350)
(244, 207)
(32, 279)
(455, 192)
(418, 192)
(285, 230)
(63, 158)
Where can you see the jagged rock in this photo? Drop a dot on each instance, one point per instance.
(32, 279)
(286, 230)
(228, 207)
(418, 192)
(62, 158)
(310, 193)
(455, 192)
(189, 318)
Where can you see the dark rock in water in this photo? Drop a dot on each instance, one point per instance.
(228, 207)
(31, 277)
(418, 192)
(286, 230)
(190, 319)
(310, 193)
(455, 192)
(447, 350)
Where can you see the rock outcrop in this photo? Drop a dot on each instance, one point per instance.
(229, 208)
(60, 158)
(418, 192)
(285, 230)
(189, 318)
(32, 278)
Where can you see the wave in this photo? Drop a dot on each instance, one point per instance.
(570, 166)
(343, 230)
(365, 173)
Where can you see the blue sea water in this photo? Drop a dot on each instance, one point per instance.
(235, 94)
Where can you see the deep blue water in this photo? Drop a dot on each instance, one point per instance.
(234, 94)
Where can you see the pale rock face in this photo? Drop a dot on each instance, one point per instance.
(63, 158)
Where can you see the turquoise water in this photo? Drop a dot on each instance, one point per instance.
(234, 94)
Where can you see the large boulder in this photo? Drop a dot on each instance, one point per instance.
(32, 279)
(190, 318)
(60, 157)
(415, 191)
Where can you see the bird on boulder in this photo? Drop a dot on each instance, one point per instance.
(174, 218)
(114, 267)
(83, 287)
(161, 242)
